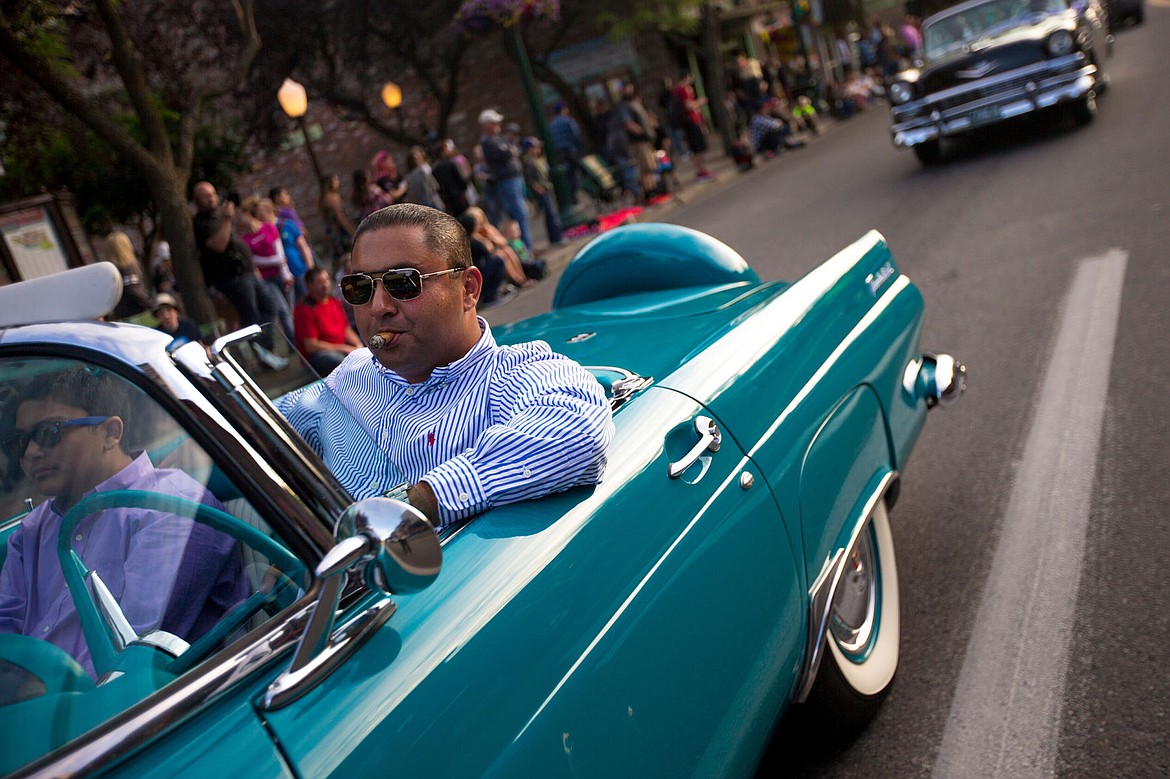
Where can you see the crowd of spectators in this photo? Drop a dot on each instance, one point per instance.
(262, 263)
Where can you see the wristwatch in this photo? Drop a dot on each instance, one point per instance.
(399, 493)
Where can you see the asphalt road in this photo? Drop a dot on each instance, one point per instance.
(999, 239)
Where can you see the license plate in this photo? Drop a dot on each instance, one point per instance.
(985, 115)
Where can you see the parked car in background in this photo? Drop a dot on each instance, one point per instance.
(737, 559)
(991, 61)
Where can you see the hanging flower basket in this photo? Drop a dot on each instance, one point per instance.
(480, 16)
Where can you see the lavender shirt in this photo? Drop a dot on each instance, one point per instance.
(165, 571)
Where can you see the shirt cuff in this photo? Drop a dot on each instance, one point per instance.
(457, 489)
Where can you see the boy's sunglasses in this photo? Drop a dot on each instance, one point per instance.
(399, 283)
(46, 434)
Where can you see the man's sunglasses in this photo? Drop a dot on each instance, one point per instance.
(399, 283)
(46, 434)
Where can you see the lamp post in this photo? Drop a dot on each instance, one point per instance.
(570, 214)
(392, 99)
(294, 102)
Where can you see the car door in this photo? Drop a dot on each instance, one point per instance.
(650, 626)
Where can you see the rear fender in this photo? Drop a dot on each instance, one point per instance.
(882, 485)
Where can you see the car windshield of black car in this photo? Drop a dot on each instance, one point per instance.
(953, 31)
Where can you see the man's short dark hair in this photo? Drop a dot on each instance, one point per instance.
(444, 236)
(314, 272)
(95, 391)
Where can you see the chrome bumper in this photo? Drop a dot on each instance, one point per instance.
(1030, 96)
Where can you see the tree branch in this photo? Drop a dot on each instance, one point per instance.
(41, 73)
(128, 62)
(246, 18)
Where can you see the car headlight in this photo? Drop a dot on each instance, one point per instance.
(900, 92)
(1060, 43)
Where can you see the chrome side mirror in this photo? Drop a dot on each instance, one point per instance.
(406, 556)
(396, 550)
(939, 379)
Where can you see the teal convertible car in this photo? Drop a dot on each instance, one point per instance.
(239, 613)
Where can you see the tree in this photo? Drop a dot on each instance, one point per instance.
(46, 149)
(344, 51)
(97, 59)
(686, 24)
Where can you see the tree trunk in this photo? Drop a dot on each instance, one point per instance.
(168, 193)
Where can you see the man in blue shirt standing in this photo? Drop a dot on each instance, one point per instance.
(469, 423)
(569, 146)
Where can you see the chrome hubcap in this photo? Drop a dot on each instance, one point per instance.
(853, 616)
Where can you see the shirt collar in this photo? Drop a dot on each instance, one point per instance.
(446, 373)
(126, 478)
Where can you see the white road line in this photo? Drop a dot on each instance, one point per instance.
(1005, 717)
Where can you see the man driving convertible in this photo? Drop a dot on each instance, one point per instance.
(68, 432)
(469, 423)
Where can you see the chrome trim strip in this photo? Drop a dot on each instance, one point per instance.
(822, 591)
(165, 642)
(118, 628)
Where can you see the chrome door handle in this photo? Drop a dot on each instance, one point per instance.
(709, 440)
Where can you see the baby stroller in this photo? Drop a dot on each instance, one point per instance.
(599, 180)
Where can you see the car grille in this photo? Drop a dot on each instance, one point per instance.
(994, 61)
(1005, 85)
(1015, 85)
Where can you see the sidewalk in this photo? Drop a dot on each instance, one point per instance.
(538, 299)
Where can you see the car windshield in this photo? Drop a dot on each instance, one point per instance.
(128, 554)
(953, 31)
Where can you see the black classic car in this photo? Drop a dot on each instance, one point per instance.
(989, 61)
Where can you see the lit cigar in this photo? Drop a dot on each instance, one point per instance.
(379, 340)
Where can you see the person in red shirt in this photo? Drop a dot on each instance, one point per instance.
(323, 332)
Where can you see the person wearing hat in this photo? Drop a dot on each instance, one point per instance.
(172, 322)
(536, 176)
(505, 182)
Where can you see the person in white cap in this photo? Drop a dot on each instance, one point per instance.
(505, 179)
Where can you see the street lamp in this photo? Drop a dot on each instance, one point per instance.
(294, 102)
(392, 95)
(392, 98)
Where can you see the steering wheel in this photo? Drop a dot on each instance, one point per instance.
(102, 633)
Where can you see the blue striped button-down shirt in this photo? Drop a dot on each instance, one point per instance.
(502, 424)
